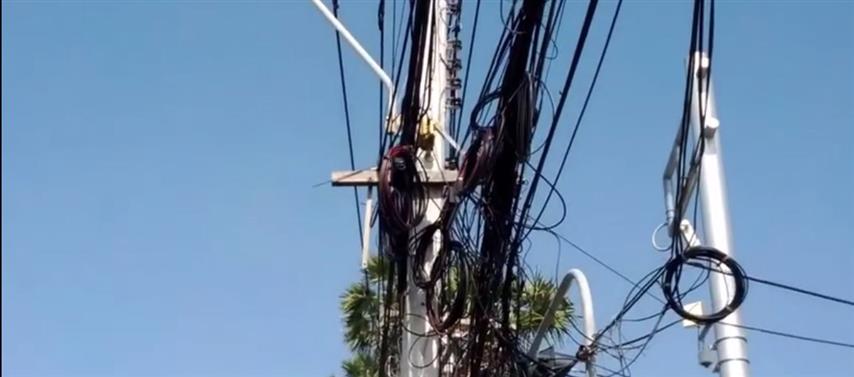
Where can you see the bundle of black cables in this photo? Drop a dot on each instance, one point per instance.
(423, 242)
(445, 318)
(450, 262)
(673, 270)
(402, 194)
(476, 163)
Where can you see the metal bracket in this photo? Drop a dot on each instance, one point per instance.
(425, 136)
(711, 127)
(368, 177)
(706, 356)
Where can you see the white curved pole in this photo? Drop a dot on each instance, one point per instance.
(586, 311)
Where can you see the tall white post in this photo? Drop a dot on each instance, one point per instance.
(730, 342)
(418, 353)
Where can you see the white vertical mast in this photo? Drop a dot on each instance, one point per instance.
(730, 341)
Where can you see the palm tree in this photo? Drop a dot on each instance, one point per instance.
(362, 364)
(361, 306)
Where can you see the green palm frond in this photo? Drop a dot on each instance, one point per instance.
(360, 365)
(360, 307)
(378, 269)
(535, 298)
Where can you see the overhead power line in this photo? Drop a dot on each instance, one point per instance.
(749, 328)
(583, 107)
(564, 94)
(794, 336)
(459, 120)
(602, 263)
(335, 6)
(783, 286)
(801, 291)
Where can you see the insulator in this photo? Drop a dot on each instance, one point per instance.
(453, 102)
(455, 83)
(453, 6)
(455, 64)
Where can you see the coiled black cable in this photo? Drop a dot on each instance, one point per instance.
(456, 308)
(402, 194)
(670, 283)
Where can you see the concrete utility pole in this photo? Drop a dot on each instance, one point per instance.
(730, 341)
(418, 352)
(419, 347)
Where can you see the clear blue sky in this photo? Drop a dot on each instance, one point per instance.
(158, 160)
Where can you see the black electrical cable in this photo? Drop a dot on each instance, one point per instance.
(696, 26)
(636, 285)
(649, 335)
(576, 57)
(793, 336)
(749, 328)
(409, 107)
(386, 135)
(602, 263)
(475, 210)
(495, 274)
(381, 25)
(538, 60)
(669, 285)
(402, 196)
(692, 83)
(650, 283)
(335, 6)
(583, 108)
(441, 267)
(782, 286)
(550, 60)
(468, 68)
(801, 291)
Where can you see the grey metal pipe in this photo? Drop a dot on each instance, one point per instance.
(730, 341)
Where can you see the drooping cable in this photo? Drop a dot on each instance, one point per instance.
(576, 57)
(335, 7)
(583, 108)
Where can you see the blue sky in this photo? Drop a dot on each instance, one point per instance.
(158, 164)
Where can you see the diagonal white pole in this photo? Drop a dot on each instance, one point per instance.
(384, 77)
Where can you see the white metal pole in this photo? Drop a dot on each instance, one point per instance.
(356, 45)
(366, 229)
(586, 311)
(419, 348)
(730, 341)
(384, 77)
